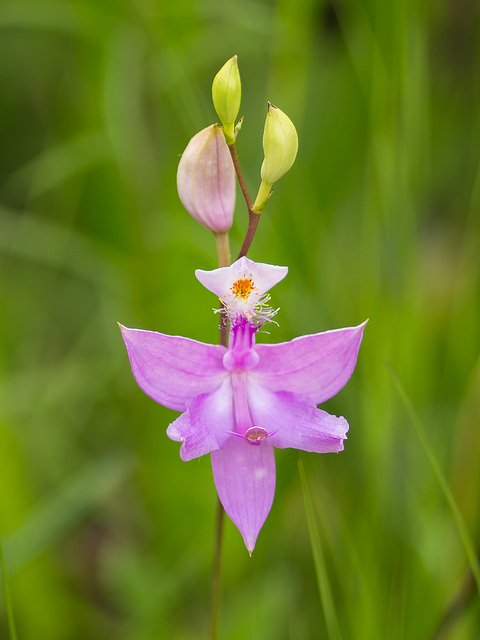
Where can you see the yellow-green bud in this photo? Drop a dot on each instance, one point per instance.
(226, 94)
(280, 145)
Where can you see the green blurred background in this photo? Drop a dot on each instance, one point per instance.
(106, 533)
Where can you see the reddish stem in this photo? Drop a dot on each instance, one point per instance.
(253, 218)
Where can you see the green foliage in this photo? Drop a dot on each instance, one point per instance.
(106, 533)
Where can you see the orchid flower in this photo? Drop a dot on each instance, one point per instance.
(240, 402)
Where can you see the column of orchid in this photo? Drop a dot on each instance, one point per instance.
(239, 399)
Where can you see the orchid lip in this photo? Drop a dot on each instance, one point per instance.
(242, 287)
(254, 435)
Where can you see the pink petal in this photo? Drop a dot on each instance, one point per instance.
(206, 180)
(244, 475)
(220, 281)
(317, 365)
(205, 425)
(294, 421)
(172, 369)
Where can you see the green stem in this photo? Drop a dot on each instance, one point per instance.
(216, 570)
(223, 254)
(8, 601)
(223, 248)
(264, 193)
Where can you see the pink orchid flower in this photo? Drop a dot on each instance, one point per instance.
(240, 402)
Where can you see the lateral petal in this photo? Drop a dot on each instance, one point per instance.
(173, 370)
(205, 425)
(317, 365)
(294, 421)
(244, 475)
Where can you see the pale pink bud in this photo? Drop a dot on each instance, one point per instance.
(206, 180)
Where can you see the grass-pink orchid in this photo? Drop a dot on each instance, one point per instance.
(240, 402)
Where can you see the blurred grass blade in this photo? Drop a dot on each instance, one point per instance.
(57, 164)
(331, 619)
(457, 516)
(61, 510)
(8, 600)
(76, 19)
(58, 246)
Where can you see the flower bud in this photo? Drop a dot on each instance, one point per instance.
(226, 94)
(206, 180)
(280, 145)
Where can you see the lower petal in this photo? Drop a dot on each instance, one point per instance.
(294, 421)
(244, 475)
(206, 424)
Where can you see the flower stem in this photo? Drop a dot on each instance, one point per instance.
(253, 218)
(223, 249)
(264, 193)
(8, 601)
(223, 253)
(238, 171)
(217, 553)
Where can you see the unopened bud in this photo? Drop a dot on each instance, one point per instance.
(280, 145)
(226, 94)
(206, 180)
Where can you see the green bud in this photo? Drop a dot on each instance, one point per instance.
(280, 145)
(226, 94)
